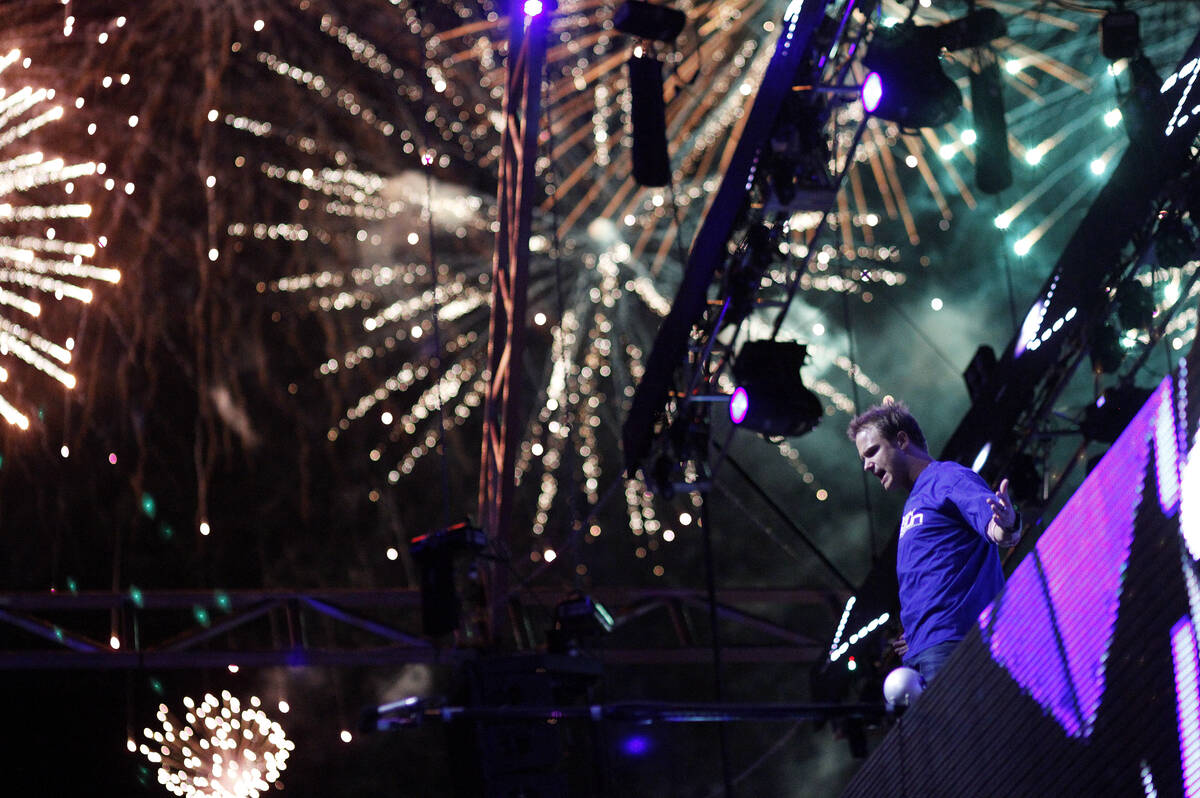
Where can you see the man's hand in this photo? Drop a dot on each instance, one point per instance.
(900, 645)
(1003, 529)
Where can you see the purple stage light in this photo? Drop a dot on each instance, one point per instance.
(533, 7)
(636, 745)
(739, 405)
(872, 92)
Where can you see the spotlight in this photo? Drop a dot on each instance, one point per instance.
(535, 8)
(993, 163)
(771, 398)
(739, 404)
(649, 21)
(651, 159)
(1119, 35)
(583, 615)
(637, 745)
(576, 619)
(976, 29)
(872, 92)
(648, 114)
(913, 91)
(444, 559)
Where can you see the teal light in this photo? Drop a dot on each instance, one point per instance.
(135, 595)
(148, 505)
(201, 615)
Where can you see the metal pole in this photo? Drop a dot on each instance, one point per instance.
(510, 279)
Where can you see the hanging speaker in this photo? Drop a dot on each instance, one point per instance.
(651, 162)
(993, 167)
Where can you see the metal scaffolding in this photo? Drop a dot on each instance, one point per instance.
(182, 629)
(510, 280)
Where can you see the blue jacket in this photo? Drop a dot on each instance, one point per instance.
(947, 567)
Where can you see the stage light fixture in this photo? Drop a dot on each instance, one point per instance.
(649, 21)
(739, 403)
(536, 8)
(444, 558)
(648, 116)
(872, 92)
(993, 162)
(1119, 35)
(914, 92)
(771, 398)
(576, 619)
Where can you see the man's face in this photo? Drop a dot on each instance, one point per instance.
(884, 458)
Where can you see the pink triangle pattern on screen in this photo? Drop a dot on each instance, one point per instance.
(1052, 627)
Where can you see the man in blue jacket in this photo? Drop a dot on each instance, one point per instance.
(947, 560)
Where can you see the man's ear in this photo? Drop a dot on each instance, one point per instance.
(902, 439)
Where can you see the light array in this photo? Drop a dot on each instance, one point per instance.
(861, 634)
(1187, 691)
(841, 627)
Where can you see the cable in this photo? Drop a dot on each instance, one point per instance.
(439, 370)
(857, 410)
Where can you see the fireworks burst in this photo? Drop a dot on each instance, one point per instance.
(220, 748)
(624, 242)
(368, 133)
(45, 259)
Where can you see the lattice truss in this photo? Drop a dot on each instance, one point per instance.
(263, 628)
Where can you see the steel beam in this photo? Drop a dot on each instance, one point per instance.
(510, 279)
(35, 633)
